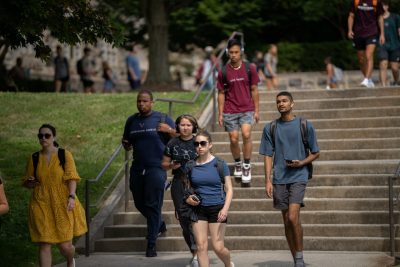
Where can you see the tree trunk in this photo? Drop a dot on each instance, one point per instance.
(157, 26)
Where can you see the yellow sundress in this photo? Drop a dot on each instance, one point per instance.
(49, 220)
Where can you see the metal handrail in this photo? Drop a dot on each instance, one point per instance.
(391, 210)
(200, 88)
(125, 167)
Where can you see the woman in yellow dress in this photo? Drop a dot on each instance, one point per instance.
(55, 213)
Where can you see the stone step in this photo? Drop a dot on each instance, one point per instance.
(363, 112)
(322, 94)
(342, 123)
(327, 230)
(329, 180)
(251, 243)
(354, 154)
(275, 217)
(334, 167)
(332, 134)
(329, 144)
(317, 192)
(334, 103)
(311, 204)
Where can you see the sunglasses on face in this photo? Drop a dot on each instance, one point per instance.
(46, 135)
(201, 143)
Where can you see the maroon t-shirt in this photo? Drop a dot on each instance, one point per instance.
(366, 18)
(238, 97)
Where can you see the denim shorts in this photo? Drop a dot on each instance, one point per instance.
(210, 213)
(285, 194)
(232, 122)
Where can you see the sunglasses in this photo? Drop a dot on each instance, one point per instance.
(201, 143)
(46, 135)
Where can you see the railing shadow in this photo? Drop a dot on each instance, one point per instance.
(394, 200)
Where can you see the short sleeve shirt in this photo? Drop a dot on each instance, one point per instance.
(238, 98)
(366, 18)
(181, 151)
(207, 183)
(133, 62)
(288, 145)
(392, 25)
(148, 144)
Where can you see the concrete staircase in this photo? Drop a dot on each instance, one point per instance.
(346, 201)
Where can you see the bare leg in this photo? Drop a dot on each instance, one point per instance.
(362, 61)
(45, 255)
(383, 72)
(275, 82)
(200, 231)
(247, 142)
(68, 251)
(234, 144)
(269, 84)
(217, 232)
(395, 71)
(57, 85)
(293, 228)
(369, 56)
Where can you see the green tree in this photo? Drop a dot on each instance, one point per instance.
(24, 22)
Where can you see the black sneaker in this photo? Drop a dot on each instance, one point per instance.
(151, 251)
(163, 229)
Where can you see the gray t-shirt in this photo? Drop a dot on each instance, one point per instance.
(273, 62)
(288, 146)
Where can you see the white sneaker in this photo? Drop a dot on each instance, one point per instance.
(370, 84)
(232, 264)
(246, 175)
(364, 82)
(194, 263)
(237, 169)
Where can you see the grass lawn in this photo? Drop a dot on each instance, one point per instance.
(90, 126)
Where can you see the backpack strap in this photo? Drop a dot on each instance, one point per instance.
(35, 161)
(224, 80)
(247, 66)
(272, 131)
(304, 133)
(219, 164)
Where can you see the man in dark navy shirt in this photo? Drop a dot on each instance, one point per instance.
(147, 132)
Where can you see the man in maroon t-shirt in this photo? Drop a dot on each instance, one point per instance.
(238, 106)
(365, 23)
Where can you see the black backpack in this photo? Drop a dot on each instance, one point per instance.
(304, 138)
(35, 160)
(225, 81)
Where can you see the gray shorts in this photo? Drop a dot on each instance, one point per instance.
(285, 194)
(232, 122)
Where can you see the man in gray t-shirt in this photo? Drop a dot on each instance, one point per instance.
(290, 161)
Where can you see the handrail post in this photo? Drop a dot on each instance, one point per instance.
(87, 210)
(391, 217)
(170, 109)
(127, 174)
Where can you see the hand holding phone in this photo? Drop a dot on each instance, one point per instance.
(195, 198)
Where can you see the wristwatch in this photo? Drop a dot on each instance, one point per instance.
(71, 196)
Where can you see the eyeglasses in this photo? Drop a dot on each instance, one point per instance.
(201, 143)
(46, 135)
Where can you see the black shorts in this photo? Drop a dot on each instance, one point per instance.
(210, 213)
(285, 194)
(360, 43)
(87, 83)
(390, 55)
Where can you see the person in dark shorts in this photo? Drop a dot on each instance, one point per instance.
(177, 153)
(390, 51)
(213, 199)
(365, 28)
(289, 157)
(147, 132)
(61, 71)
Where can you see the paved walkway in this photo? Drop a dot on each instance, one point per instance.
(240, 258)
